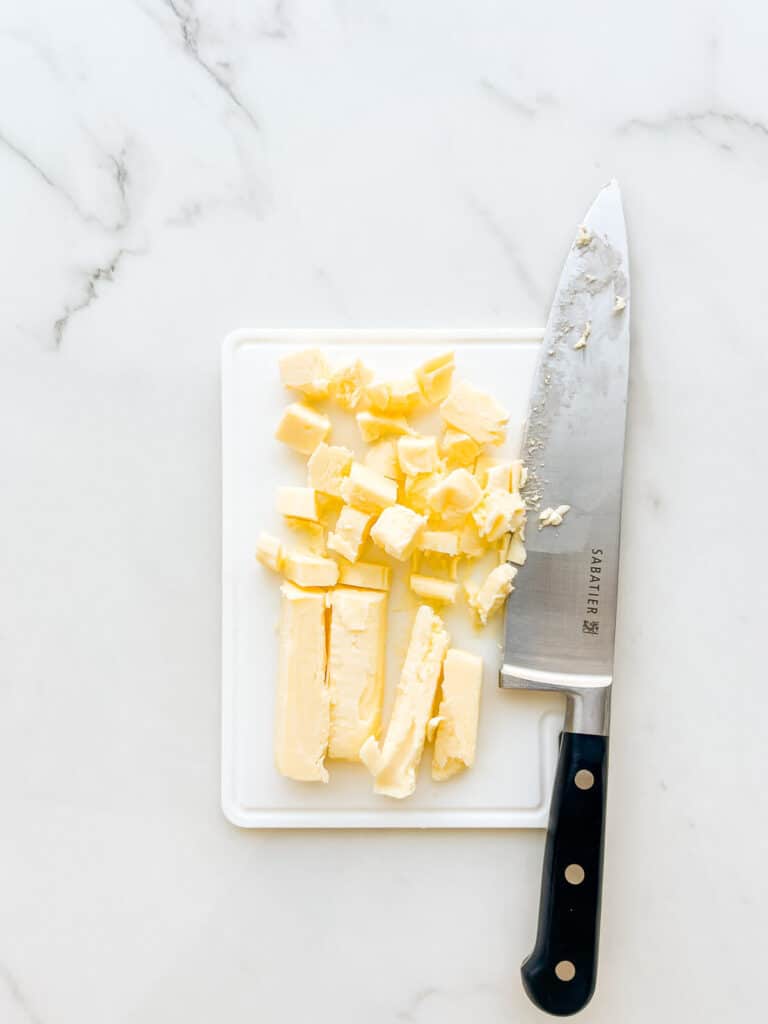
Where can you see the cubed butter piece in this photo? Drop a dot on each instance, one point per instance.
(382, 456)
(355, 668)
(302, 428)
(515, 551)
(368, 575)
(446, 542)
(350, 532)
(458, 448)
(311, 535)
(297, 502)
(417, 455)
(302, 704)
(495, 514)
(458, 714)
(327, 467)
(492, 594)
(310, 570)
(397, 531)
(455, 496)
(270, 552)
(434, 377)
(373, 425)
(431, 563)
(519, 475)
(348, 384)
(475, 413)
(499, 477)
(306, 371)
(416, 489)
(366, 489)
(394, 764)
(393, 397)
(433, 589)
(470, 543)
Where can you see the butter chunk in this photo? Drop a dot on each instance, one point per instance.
(434, 377)
(394, 764)
(416, 489)
(382, 456)
(495, 514)
(368, 490)
(327, 467)
(373, 425)
(302, 428)
(499, 477)
(519, 475)
(458, 448)
(270, 552)
(417, 455)
(398, 396)
(312, 535)
(367, 575)
(310, 570)
(302, 702)
(455, 496)
(355, 669)
(433, 589)
(446, 542)
(350, 532)
(475, 413)
(512, 549)
(297, 502)
(492, 594)
(306, 371)
(434, 562)
(470, 544)
(458, 714)
(348, 384)
(397, 531)
(553, 516)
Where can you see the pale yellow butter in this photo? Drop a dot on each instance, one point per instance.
(355, 668)
(382, 456)
(430, 588)
(368, 575)
(475, 413)
(458, 448)
(350, 532)
(416, 489)
(394, 764)
(434, 377)
(392, 397)
(397, 531)
(306, 371)
(348, 384)
(302, 428)
(417, 455)
(434, 562)
(310, 570)
(368, 490)
(270, 552)
(310, 534)
(302, 704)
(513, 550)
(373, 425)
(493, 592)
(446, 542)
(458, 714)
(297, 502)
(495, 514)
(553, 516)
(470, 544)
(327, 467)
(455, 496)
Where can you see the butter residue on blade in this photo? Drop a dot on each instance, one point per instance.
(394, 763)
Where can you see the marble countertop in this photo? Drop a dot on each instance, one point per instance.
(172, 169)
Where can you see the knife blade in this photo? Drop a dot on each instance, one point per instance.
(560, 624)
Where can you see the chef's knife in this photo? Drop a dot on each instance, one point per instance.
(560, 623)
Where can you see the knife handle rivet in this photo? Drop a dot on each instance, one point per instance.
(574, 874)
(584, 779)
(565, 970)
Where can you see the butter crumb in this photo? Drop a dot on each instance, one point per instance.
(619, 304)
(553, 516)
(582, 342)
(584, 237)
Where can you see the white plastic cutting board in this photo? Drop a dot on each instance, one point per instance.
(511, 780)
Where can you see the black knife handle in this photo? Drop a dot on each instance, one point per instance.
(559, 975)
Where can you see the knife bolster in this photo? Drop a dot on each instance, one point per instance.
(588, 698)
